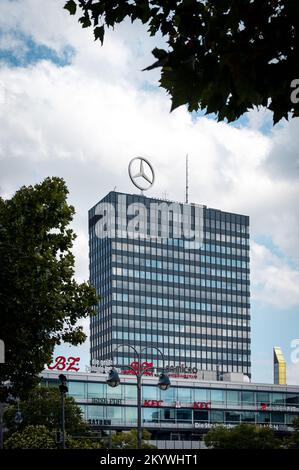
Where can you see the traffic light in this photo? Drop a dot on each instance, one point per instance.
(62, 386)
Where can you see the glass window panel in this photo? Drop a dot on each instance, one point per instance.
(184, 394)
(95, 412)
(247, 398)
(232, 416)
(131, 414)
(77, 389)
(167, 414)
(95, 390)
(277, 418)
(233, 397)
(151, 415)
(217, 416)
(217, 396)
(263, 397)
(264, 417)
(248, 416)
(184, 416)
(150, 392)
(278, 399)
(130, 392)
(201, 415)
(201, 395)
(113, 392)
(292, 399)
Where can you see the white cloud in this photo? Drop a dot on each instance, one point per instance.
(274, 281)
(85, 121)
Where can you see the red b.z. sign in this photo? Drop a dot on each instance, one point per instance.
(67, 364)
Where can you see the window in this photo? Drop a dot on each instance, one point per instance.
(233, 397)
(247, 398)
(95, 390)
(232, 416)
(217, 416)
(77, 389)
(217, 396)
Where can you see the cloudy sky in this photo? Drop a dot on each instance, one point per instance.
(70, 108)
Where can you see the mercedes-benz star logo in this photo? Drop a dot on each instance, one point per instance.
(141, 174)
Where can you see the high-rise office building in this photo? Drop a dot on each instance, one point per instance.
(172, 275)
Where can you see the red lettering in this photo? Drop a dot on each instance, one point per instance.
(60, 363)
(152, 403)
(264, 406)
(72, 361)
(202, 405)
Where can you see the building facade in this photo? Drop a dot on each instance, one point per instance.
(171, 275)
(179, 416)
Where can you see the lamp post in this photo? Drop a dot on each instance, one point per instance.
(63, 390)
(114, 380)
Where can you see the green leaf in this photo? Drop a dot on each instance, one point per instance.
(99, 33)
(71, 7)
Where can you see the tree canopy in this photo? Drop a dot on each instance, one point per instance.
(40, 301)
(243, 436)
(43, 408)
(223, 56)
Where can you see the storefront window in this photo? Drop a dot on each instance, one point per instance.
(168, 395)
(131, 415)
(232, 417)
(277, 418)
(263, 417)
(201, 415)
(151, 415)
(290, 418)
(217, 416)
(114, 413)
(184, 416)
(96, 412)
(167, 415)
(248, 416)
(292, 399)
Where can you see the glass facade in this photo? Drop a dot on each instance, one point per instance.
(187, 405)
(190, 299)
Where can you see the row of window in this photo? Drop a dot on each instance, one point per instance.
(169, 302)
(185, 395)
(172, 278)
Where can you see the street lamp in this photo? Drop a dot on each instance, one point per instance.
(114, 380)
(63, 390)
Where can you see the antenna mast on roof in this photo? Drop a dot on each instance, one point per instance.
(187, 179)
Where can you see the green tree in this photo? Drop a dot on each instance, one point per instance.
(243, 436)
(129, 440)
(40, 301)
(43, 407)
(32, 437)
(292, 442)
(222, 56)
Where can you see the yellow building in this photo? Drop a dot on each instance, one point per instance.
(279, 367)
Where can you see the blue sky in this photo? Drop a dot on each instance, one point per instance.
(71, 108)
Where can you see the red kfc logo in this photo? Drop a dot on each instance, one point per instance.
(202, 405)
(152, 403)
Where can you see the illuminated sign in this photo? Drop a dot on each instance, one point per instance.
(69, 364)
(152, 403)
(202, 405)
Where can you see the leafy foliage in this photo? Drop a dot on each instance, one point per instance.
(223, 56)
(292, 442)
(32, 437)
(244, 436)
(40, 302)
(128, 440)
(43, 407)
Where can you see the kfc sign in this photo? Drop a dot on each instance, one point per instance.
(152, 403)
(69, 364)
(202, 405)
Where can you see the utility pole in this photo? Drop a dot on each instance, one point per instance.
(63, 390)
